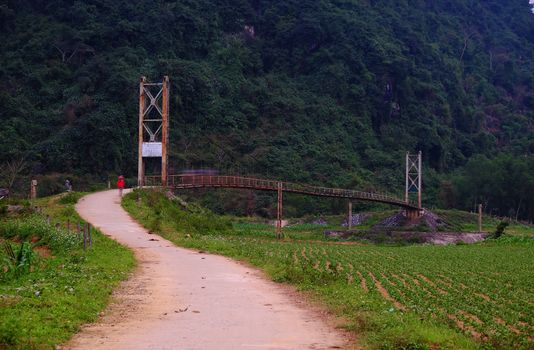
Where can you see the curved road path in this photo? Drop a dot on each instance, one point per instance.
(185, 299)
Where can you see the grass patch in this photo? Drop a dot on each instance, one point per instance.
(65, 287)
(447, 297)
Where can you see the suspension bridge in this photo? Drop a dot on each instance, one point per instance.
(154, 139)
(183, 182)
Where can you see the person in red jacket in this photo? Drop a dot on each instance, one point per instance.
(120, 184)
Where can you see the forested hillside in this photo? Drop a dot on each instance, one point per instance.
(319, 91)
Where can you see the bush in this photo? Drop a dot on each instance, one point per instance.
(499, 231)
(55, 183)
(36, 226)
(71, 198)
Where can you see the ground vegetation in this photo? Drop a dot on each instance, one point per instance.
(50, 285)
(392, 296)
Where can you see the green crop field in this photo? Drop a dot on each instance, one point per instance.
(413, 296)
(484, 291)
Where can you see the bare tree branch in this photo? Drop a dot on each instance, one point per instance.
(11, 170)
(73, 53)
(467, 36)
(63, 53)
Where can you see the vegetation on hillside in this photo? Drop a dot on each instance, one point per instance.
(319, 91)
(410, 297)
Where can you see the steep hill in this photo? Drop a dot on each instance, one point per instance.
(332, 92)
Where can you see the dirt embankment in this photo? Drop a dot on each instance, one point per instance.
(398, 229)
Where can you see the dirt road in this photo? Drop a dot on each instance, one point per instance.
(183, 299)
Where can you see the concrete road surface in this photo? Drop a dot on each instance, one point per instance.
(183, 299)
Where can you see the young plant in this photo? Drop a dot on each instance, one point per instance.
(19, 261)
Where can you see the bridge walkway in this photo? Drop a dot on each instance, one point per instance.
(223, 181)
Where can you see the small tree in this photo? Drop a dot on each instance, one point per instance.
(10, 172)
(499, 231)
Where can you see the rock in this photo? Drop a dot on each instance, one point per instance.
(337, 234)
(14, 208)
(4, 192)
(320, 221)
(357, 219)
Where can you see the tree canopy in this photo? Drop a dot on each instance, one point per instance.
(323, 91)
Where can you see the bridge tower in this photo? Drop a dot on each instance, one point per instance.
(413, 181)
(153, 126)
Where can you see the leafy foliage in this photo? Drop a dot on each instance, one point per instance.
(319, 91)
(500, 229)
(71, 198)
(57, 238)
(18, 261)
(46, 297)
(504, 185)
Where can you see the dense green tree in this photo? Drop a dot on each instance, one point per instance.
(311, 90)
(503, 185)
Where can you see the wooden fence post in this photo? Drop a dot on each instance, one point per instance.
(89, 233)
(279, 212)
(350, 216)
(33, 189)
(84, 237)
(480, 218)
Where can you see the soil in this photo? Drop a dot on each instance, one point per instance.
(397, 229)
(429, 220)
(385, 293)
(411, 237)
(43, 251)
(184, 299)
(357, 219)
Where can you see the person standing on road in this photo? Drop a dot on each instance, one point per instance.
(120, 184)
(68, 185)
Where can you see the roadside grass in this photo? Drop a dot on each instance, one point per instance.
(410, 297)
(65, 287)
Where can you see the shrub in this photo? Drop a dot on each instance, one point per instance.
(70, 198)
(36, 226)
(499, 231)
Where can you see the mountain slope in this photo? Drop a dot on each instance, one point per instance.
(333, 92)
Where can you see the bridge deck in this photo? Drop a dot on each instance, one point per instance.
(201, 181)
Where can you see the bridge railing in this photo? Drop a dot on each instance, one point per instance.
(197, 181)
(338, 192)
